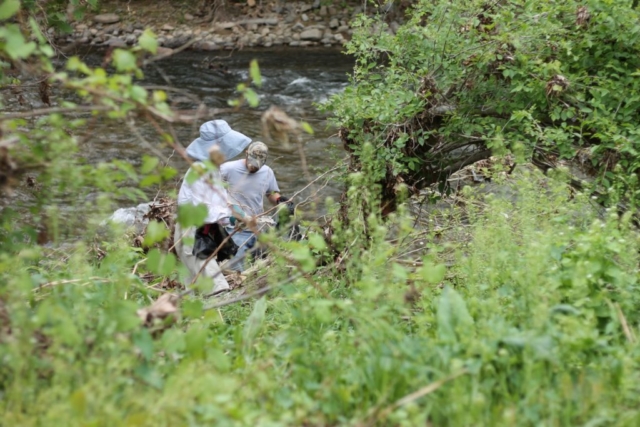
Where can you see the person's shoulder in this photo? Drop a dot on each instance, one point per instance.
(226, 166)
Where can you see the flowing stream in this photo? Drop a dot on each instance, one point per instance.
(292, 79)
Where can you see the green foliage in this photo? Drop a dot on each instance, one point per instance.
(540, 79)
(247, 94)
(8, 8)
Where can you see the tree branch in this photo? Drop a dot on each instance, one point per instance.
(56, 110)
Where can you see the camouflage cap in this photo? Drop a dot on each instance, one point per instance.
(257, 154)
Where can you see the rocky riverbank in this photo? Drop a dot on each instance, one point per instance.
(297, 24)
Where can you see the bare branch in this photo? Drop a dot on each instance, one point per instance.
(56, 110)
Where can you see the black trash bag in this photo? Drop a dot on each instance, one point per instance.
(209, 237)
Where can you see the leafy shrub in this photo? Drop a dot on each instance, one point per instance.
(463, 80)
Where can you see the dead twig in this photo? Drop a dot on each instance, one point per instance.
(55, 110)
(70, 281)
(628, 332)
(257, 293)
(428, 389)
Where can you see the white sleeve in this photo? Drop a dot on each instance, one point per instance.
(272, 184)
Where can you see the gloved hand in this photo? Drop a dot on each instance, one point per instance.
(282, 199)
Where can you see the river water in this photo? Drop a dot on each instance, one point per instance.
(293, 79)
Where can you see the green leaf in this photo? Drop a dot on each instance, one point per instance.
(148, 41)
(195, 342)
(190, 215)
(172, 341)
(251, 97)
(254, 322)
(194, 173)
(452, 315)
(254, 72)
(149, 375)
(433, 273)
(159, 96)
(35, 29)
(150, 180)
(124, 313)
(159, 263)
(78, 401)
(305, 258)
(149, 163)
(156, 232)
(317, 242)
(47, 50)
(307, 127)
(124, 60)
(139, 94)
(73, 63)
(9, 8)
(399, 272)
(192, 308)
(15, 45)
(142, 339)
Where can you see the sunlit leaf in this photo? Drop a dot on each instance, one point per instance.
(254, 72)
(399, 272)
(159, 96)
(8, 8)
(139, 94)
(15, 45)
(190, 215)
(307, 127)
(149, 163)
(159, 263)
(251, 97)
(124, 60)
(148, 41)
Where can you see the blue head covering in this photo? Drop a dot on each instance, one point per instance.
(219, 132)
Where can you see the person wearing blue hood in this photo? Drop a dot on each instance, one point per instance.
(208, 190)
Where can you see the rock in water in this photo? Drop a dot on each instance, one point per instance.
(311, 34)
(133, 217)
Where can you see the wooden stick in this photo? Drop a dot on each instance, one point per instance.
(428, 389)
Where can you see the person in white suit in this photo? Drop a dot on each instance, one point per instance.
(208, 190)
